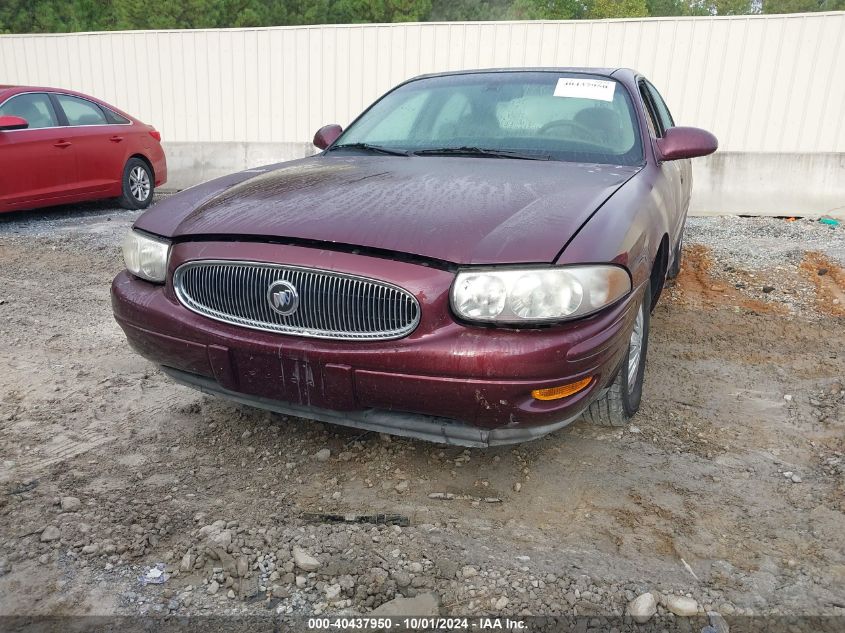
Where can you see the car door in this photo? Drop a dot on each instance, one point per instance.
(37, 164)
(676, 173)
(100, 145)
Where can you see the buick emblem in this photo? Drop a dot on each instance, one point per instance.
(283, 297)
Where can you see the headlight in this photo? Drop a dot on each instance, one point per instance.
(521, 295)
(146, 256)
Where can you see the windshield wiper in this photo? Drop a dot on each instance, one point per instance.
(480, 151)
(376, 149)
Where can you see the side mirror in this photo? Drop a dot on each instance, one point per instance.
(12, 123)
(327, 135)
(686, 142)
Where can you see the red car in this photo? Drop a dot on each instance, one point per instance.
(473, 261)
(59, 146)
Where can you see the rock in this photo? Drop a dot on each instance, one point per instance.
(402, 486)
(70, 504)
(300, 581)
(642, 608)
(401, 578)
(91, 549)
(468, 571)
(304, 560)
(214, 528)
(717, 622)
(680, 605)
(213, 588)
(242, 567)
(796, 479)
(227, 561)
(323, 455)
(446, 567)
(230, 594)
(220, 539)
(501, 603)
(421, 605)
(332, 592)
(187, 563)
(51, 533)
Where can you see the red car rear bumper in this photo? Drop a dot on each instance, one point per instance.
(446, 381)
(159, 162)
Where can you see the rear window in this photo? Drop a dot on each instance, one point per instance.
(115, 118)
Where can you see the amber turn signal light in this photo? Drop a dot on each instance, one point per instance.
(556, 393)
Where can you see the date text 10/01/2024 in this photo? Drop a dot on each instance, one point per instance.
(415, 624)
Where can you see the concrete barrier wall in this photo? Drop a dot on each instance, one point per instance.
(772, 88)
(745, 183)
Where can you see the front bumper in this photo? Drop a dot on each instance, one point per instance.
(424, 427)
(446, 382)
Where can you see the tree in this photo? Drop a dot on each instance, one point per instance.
(547, 10)
(617, 9)
(802, 6)
(57, 16)
(468, 10)
(355, 11)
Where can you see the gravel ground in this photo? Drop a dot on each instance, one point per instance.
(726, 494)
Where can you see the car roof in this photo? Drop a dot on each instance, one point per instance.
(585, 70)
(20, 88)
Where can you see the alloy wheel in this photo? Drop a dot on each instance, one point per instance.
(139, 183)
(635, 348)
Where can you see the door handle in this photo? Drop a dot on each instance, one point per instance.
(62, 144)
(116, 139)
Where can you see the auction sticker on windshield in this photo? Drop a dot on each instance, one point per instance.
(585, 88)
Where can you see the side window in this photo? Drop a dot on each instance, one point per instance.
(653, 125)
(81, 111)
(35, 107)
(660, 108)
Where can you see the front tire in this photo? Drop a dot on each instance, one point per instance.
(622, 399)
(138, 185)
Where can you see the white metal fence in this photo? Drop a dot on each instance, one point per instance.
(760, 83)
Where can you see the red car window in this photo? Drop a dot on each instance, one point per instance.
(80, 111)
(34, 107)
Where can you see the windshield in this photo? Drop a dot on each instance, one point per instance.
(560, 116)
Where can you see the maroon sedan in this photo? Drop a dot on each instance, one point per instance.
(60, 146)
(473, 261)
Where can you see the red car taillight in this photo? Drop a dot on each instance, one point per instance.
(156, 135)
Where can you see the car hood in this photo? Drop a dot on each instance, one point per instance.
(455, 209)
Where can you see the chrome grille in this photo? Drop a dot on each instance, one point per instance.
(331, 305)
